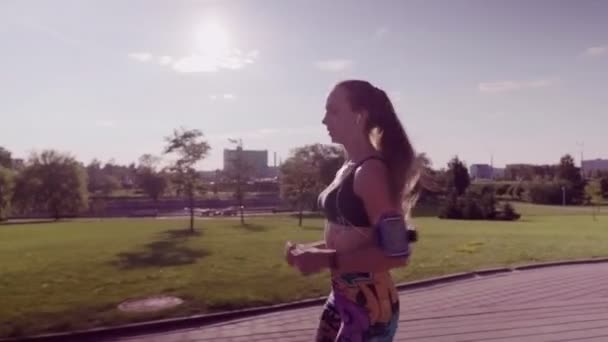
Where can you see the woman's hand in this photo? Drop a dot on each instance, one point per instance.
(311, 260)
(289, 247)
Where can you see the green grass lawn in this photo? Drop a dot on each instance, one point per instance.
(72, 275)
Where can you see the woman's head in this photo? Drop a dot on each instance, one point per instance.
(358, 110)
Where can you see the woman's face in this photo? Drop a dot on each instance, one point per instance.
(341, 121)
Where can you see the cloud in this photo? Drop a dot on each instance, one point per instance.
(165, 60)
(596, 51)
(506, 86)
(381, 31)
(206, 62)
(141, 56)
(226, 96)
(335, 64)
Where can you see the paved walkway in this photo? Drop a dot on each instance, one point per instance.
(565, 303)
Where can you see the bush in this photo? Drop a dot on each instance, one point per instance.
(604, 186)
(502, 189)
(471, 209)
(552, 193)
(516, 191)
(508, 213)
(545, 193)
(450, 208)
(472, 206)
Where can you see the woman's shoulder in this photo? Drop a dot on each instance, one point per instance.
(371, 167)
(371, 184)
(371, 174)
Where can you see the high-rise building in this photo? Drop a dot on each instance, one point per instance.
(255, 162)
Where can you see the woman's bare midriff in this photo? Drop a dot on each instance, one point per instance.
(345, 239)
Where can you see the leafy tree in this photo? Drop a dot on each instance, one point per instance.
(6, 192)
(567, 170)
(104, 180)
(604, 186)
(6, 160)
(306, 172)
(52, 182)
(190, 149)
(300, 182)
(151, 181)
(329, 159)
(238, 173)
(458, 176)
(109, 184)
(569, 174)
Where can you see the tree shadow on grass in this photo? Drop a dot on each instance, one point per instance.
(26, 222)
(170, 250)
(252, 227)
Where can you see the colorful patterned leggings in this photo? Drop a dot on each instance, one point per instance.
(362, 308)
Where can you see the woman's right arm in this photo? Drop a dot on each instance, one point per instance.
(317, 244)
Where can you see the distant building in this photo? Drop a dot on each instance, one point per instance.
(519, 171)
(592, 166)
(273, 172)
(498, 173)
(481, 171)
(256, 161)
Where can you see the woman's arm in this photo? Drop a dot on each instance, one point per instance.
(372, 186)
(370, 259)
(317, 244)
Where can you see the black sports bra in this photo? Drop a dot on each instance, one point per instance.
(340, 203)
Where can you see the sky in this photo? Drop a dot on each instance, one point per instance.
(517, 81)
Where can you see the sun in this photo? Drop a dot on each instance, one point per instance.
(212, 37)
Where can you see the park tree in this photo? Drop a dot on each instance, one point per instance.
(299, 181)
(604, 186)
(306, 172)
(190, 148)
(238, 173)
(572, 181)
(109, 184)
(458, 179)
(52, 182)
(329, 159)
(153, 182)
(6, 160)
(567, 170)
(102, 180)
(6, 192)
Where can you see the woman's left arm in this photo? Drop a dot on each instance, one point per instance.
(371, 185)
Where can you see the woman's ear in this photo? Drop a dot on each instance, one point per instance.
(361, 117)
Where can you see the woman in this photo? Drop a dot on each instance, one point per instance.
(366, 207)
